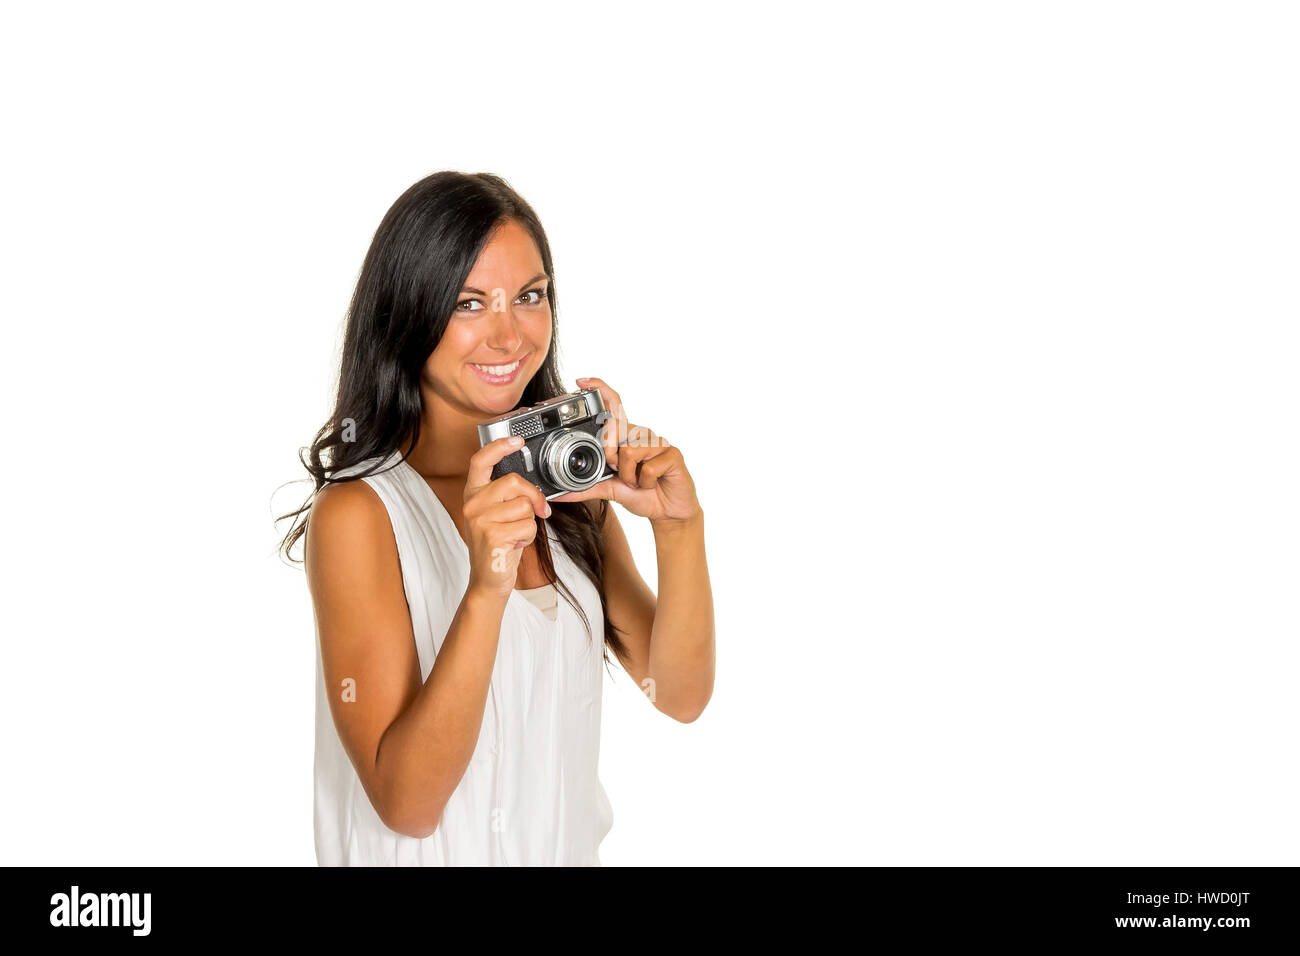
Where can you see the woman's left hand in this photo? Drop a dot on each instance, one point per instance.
(652, 479)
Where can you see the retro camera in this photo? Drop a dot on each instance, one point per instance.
(562, 450)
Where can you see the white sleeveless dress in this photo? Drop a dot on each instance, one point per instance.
(531, 795)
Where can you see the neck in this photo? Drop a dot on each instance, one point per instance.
(448, 437)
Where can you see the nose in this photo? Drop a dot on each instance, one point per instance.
(503, 332)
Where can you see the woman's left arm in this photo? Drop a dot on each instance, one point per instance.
(681, 643)
(670, 638)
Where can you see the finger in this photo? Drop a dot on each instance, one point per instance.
(614, 428)
(660, 458)
(655, 466)
(485, 459)
(610, 397)
(515, 485)
(516, 534)
(639, 436)
(608, 489)
(513, 509)
(641, 443)
(611, 433)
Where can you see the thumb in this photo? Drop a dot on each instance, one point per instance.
(612, 488)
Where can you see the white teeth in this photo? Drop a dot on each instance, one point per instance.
(498, 369)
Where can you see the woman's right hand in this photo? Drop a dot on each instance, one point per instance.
(499, 519)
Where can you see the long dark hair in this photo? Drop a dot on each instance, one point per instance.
(420, 257)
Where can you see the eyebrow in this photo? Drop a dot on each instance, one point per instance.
(540, 275)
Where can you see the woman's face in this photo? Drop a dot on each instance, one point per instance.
(500, 330)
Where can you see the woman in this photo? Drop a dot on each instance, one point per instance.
(458, 700)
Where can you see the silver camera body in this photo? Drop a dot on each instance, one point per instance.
(562, 450)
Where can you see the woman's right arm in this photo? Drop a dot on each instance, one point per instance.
(410, 742)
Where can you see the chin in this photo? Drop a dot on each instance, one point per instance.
(499, 407)
(498, 401)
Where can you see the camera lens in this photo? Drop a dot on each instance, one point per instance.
(572, 460)
(581, 464)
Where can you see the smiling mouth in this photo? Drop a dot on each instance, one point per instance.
(499, 370)
(503, 374)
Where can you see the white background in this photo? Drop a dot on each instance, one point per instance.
(976, 324)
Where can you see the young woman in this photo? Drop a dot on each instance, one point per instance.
(458, 698)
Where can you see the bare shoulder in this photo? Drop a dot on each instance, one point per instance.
(347, 524)
(346, 505)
